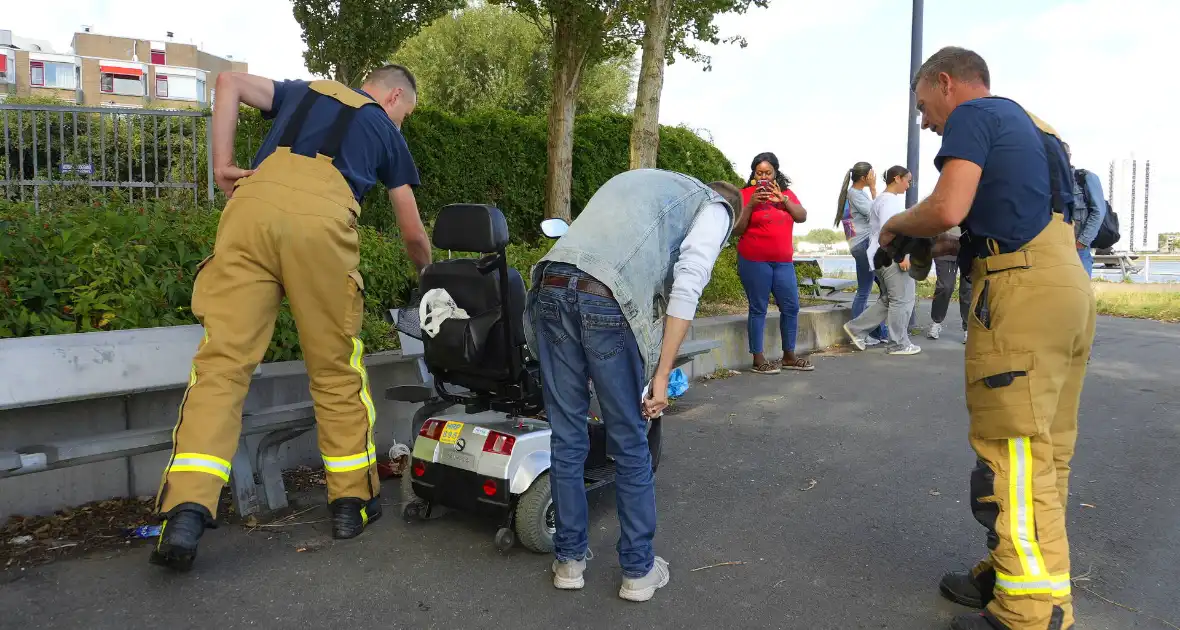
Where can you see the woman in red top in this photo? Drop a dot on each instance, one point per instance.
(766, 259)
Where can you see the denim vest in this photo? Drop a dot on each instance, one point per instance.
(628, 238)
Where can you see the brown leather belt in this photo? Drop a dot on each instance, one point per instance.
(585, 285)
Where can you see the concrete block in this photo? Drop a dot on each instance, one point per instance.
(819, 327)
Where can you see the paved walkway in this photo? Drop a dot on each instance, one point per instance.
(844, 492)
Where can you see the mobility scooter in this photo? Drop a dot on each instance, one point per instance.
(482, 444)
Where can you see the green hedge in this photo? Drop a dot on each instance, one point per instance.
(110, 266)
(93, 260)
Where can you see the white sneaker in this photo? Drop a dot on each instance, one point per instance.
(857, 341)
(567, 575)
(644, 588)
(964, 337)
(872, 341)
(906, 350)
(935, 330)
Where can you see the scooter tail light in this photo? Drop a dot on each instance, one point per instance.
(490, 487)
(419, 468)
(499, 443)
(432, 429)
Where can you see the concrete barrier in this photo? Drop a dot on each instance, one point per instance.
(819, 327)
(277, 384)
(286, 383)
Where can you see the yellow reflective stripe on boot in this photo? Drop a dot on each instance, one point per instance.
(1022, 521)
(350, 462)
(365, 515)
(1055, 585)
(356, 362)
(199, 462)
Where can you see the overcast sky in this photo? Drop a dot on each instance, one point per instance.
(822, 84)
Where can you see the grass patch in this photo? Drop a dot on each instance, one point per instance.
(1143, 301)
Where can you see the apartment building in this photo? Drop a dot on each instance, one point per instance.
(107, 70)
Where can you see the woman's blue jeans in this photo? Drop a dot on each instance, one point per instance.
(864, 284)
(761, 279)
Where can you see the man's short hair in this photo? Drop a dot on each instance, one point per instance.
(729, 193)
(393, 76)
(961, 64)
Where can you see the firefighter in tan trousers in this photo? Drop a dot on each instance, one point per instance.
(1006, 180)
(289, 229)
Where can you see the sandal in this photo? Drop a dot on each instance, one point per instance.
(801, 364)
(765, 368)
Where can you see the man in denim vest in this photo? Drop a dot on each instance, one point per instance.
(611, 303)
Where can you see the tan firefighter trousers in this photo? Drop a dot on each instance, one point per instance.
(1030, 332)
(289, 229)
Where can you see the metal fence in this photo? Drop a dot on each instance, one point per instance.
(141, 150)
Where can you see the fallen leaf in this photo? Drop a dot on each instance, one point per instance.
(301, 550)
(251, 521)
(811, 483)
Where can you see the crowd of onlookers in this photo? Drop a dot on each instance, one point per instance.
(765, 231)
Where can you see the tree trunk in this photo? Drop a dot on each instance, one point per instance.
(568, 59)
(645, 129)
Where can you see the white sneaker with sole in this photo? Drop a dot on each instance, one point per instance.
(644, 588)
(935, 330)
(567, 575)
(859, 342)
(906, 350)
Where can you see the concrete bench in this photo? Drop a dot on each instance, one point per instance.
(831, 285)
(37, 371)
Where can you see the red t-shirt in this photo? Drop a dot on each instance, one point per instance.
(769, 236)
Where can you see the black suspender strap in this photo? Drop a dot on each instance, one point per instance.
(335, 135)
(331, 144)
(1054, 160)
(295, 123)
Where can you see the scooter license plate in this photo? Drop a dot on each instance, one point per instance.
(450, 432)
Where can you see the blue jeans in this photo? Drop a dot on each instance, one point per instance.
(584, 337)
(1087, 256)
(864, 286)
(761, 279)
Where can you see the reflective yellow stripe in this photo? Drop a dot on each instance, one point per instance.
(199, 462)
(1020, 496)
(192, 381)
(350, 462)
(365, 515)
(356, 361)
(1055, 585)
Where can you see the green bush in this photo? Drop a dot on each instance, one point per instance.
(496, 157)
(110, 267)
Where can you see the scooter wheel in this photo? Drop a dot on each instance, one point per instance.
(505, 539)
(413, 511)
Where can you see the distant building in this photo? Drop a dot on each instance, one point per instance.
(1169, 242)
(111, 70)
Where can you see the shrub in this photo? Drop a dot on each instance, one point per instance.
(112, 267)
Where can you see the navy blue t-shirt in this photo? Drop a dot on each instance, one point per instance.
(373, 148)
(1013, 202)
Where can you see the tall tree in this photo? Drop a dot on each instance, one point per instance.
(583, 33)
(668, 30)
(489, 57)
(348, 38)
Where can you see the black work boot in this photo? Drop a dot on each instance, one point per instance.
(967, 589)
(176, 547)
(350, 515)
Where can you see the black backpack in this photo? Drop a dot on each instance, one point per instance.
(1108, 232)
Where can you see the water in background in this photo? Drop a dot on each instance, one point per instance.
(1160, 270)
